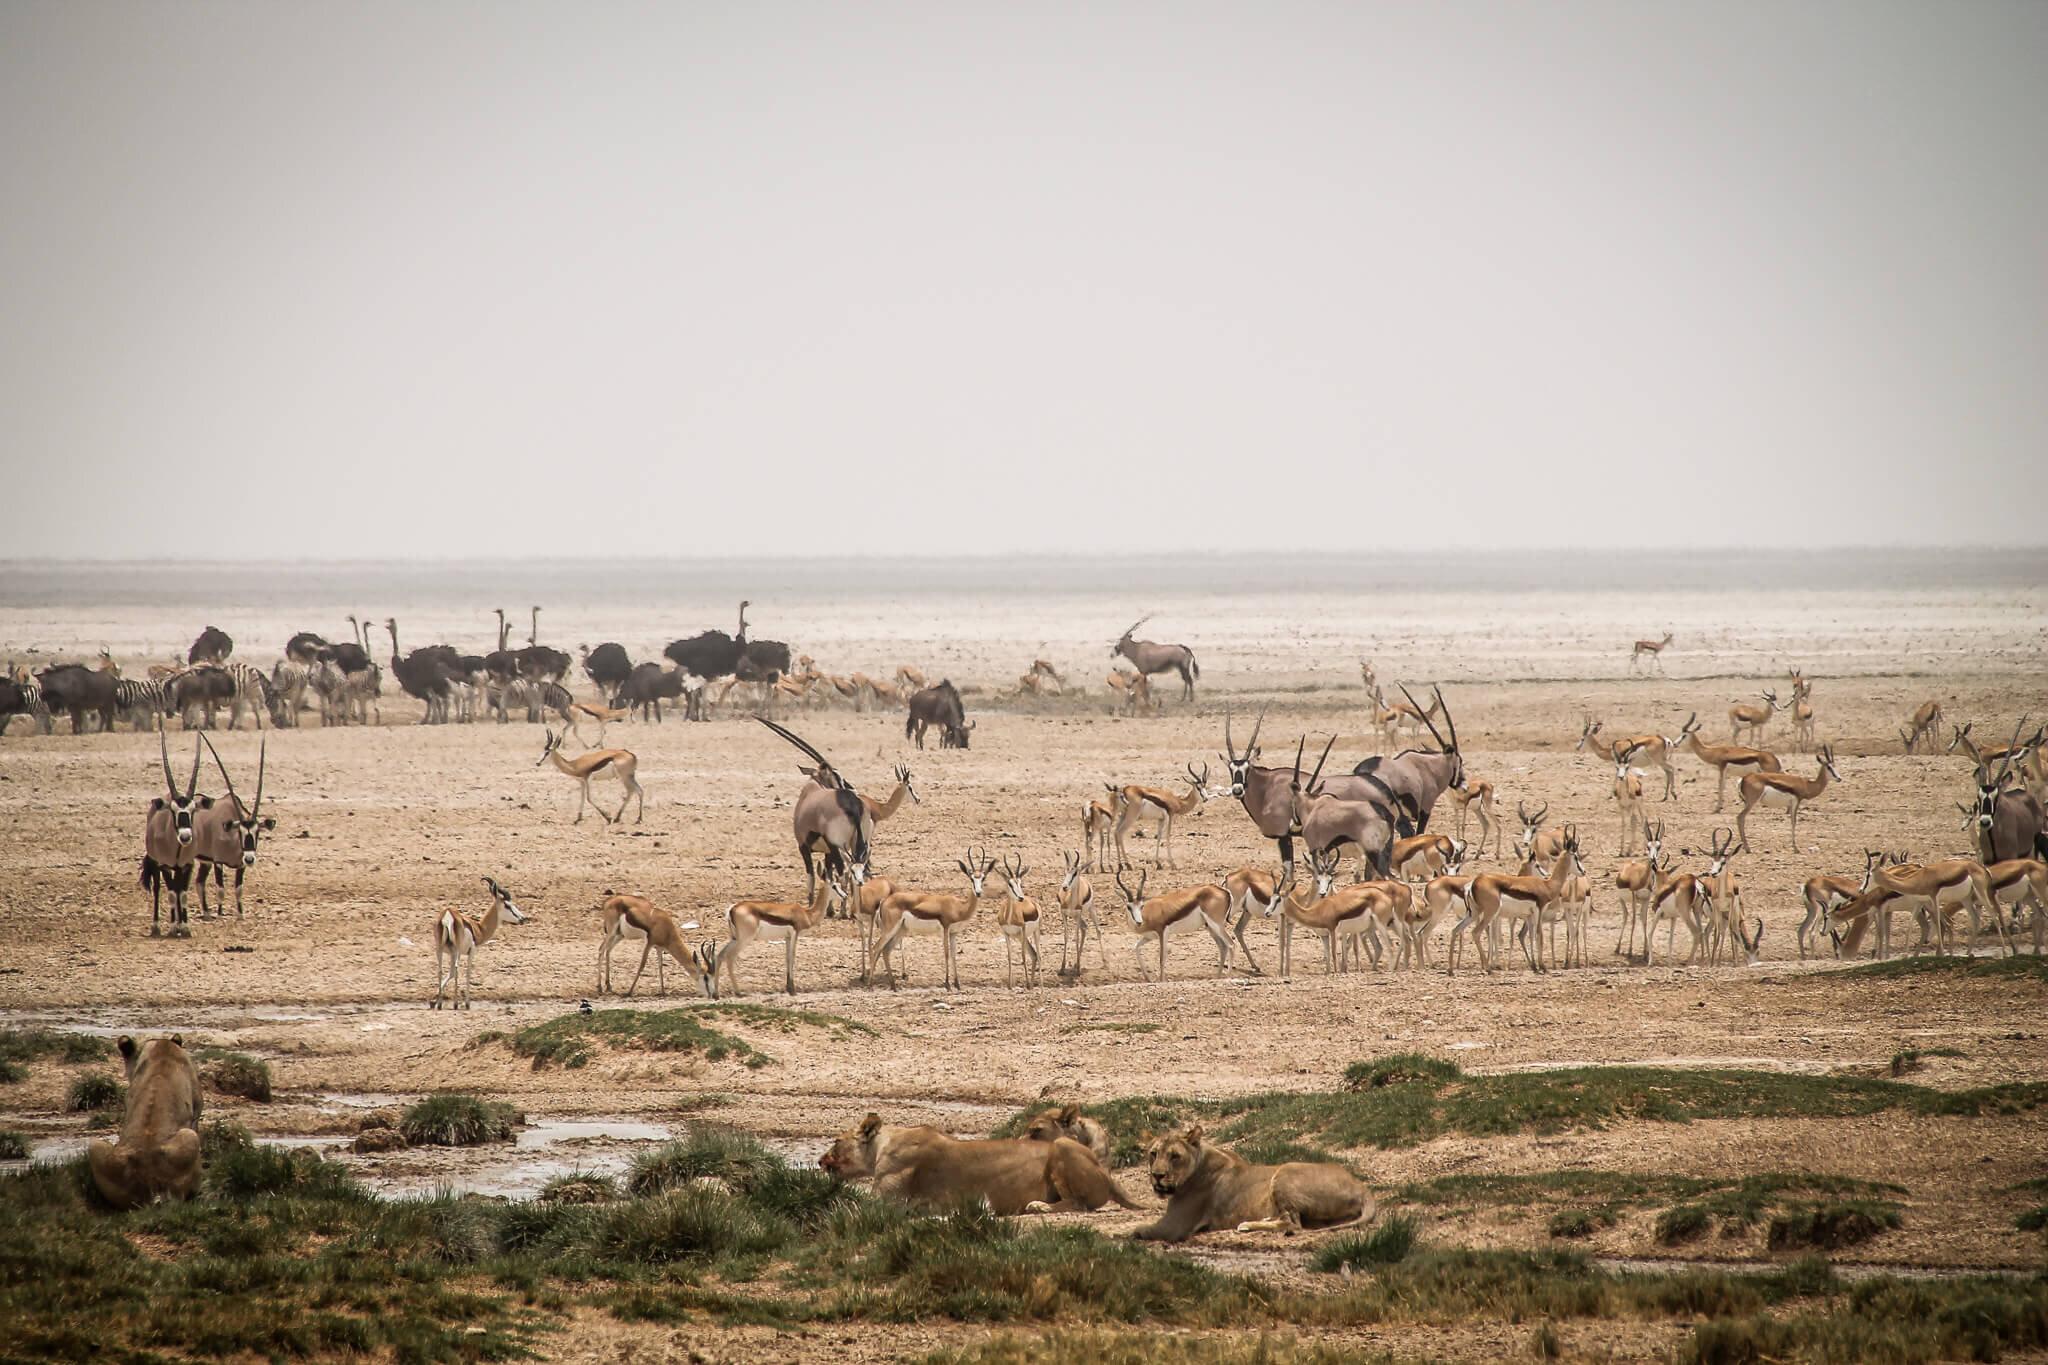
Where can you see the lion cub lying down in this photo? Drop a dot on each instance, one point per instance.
(157, 1154)
(921, 1165)
(1207, 1188)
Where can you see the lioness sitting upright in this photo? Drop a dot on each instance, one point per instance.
(157, 1154)
(1207, 1187)
(922, 1165)
(1070, 1122)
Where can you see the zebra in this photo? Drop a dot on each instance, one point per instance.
(347, 695)
(32, 703)
(140, 699)
(252, 690)
(288, 683)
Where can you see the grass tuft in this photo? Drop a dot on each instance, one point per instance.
(1838, 1223)
(236, 1073)
(1400, 1069)
(572, 1040)
(95, 1090)
(1682, 1223)
(13, 1146)
(457, 1121)
(24, 1045)
(579, 1187)
(1387, 1244)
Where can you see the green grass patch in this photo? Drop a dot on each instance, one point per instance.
(783, 1019)
(95, 1090)
(1387, 1243)
(2026, 967)
(13, 1146)
(24, 1045)
(1835, 1223)
(572, 1040)
(1406, 1100)
(579, 1187)
(457, 1121)
(1576, 1223)
(235, 1073)
(1100, 1347)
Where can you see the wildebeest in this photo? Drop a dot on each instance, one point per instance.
(938, 705)
(608, 666)
(76, 689)
(208, 688)
(1149, 658)
(213, 646)
(646, 688)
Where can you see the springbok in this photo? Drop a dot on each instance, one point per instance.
(169, 842)
(1802, 712)
(1718, 899)
(1937, 888)
(1725, 758)
(1642, 751)
(226, 832)
(1787, 791)
(1477, 797)
(771, 922)
(1628, 798)
(457, 937)
(1176, 912)
(1826, 893)
(1249, 888)
(1149, 658)
(1098, 818)
(1078, 917)
(1751, 717)
(1537, 842)
(1654, 648)
(1422, 856)
(1923, 724)
(1523, 898)
(2023, 879)
(932, 912)
(1135, 802)
(878, 811)
(1677, 900)
(638, 919)
(619, 762)
(1320, 909)
(1637, 883)
(1018, 920)
(860, 897)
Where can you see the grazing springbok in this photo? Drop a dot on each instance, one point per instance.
(1749, 716)
(1923, 725)
(781, 922)
(1787, 791)
(1725, 758)
(457, 937)
(1018, 919)
(1654, 648)
(932, 912)
(169, 841)
(1477, 798)
(1136, 802)
(1150, 658)
(637, 919)
(1077, 917)
(1936, 889)
(226, 833)
(619, 762)
(1824, 894)
(1177, 912)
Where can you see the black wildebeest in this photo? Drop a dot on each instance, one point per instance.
(1416, 778)
(647, 687)
(213, 646)
(76, 689)
(938, 705)
(608, 666)
(2011, 822)
(1150, 658)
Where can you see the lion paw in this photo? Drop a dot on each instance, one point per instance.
(1038, 1206)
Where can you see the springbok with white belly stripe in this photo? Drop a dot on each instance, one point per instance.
(1725, 758)
(1653, 648)
(932, 912)
(2018, 880)
(1521, 898)
(1249, 888)
(1018, 920)
(1637, 883)
(1749, 716)
(1136, 802)
(1937, 888)
(621, 763)
(636, 919)
(782, 922)
(457, 937)
(1477, 797)
(1177, 912)
(1785, 791)
(1822, 895)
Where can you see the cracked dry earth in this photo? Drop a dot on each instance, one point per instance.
(328, 974)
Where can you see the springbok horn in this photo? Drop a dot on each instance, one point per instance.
(223, 773)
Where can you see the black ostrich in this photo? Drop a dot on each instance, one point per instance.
(422, 675)
(213, 646)
(709, 656)
(608, 666)
(502, 663)
(761, 661)
(538, 663)
(306, 647)
(353, 657)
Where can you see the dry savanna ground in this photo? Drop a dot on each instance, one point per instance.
(1774, 1075)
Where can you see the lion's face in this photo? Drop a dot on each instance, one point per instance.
(1045, 1128)
(852, 1154)
(1171, 1160)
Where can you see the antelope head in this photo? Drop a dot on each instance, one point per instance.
(1200, 782)
(1689, 729)
(248, 822)
(1447, 746)
(1589, 728)
(1724, 849)
(504, 900)
(1771, 700)
(180, 806)
(704, 966)
(1239, 766)
(976, 871)
(1653, 843)
(1073, 872)
(1125, 641)
(1571, 850)
(1134, 897)
(1530, 824)
(903, 777)
(1013, 875)
(1752, 942)
(554, 742)
(1827, 762)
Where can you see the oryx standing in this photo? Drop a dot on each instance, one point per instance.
(1149, 658)
(225, 832)
(168, 842)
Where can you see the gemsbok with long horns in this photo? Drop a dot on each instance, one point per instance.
(226, 833)
(829, 815)
(1149, 658)
(169, 841)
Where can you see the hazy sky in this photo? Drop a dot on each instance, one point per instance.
(359, 279)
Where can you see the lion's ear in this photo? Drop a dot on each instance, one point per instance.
(126, 1046)
(1070, 1114)
(178, 1038)
(870, 1125)
(1194, 1136)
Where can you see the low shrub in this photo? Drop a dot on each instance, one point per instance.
(457, 1121)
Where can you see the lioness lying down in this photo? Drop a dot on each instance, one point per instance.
(1207, 1187)
(157, 1154)
(922, 1165)
(1070, 1122)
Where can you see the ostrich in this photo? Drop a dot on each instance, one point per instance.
(212, 647)
(760, 661)
(353, 657)
(422, 675)
(305, 648)
(608, 666)
(537, 662)
(502, 663)
(712, 654)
